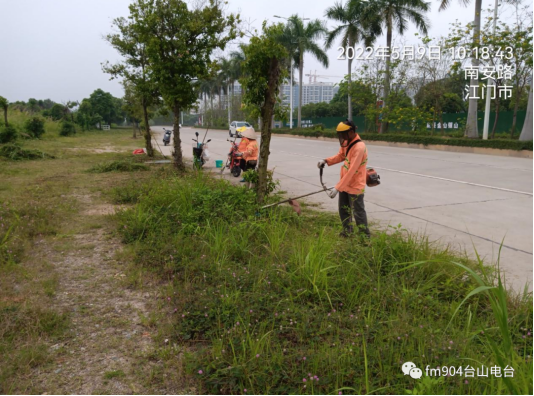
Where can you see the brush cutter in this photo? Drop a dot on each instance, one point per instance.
(373, 180)
(293, 201)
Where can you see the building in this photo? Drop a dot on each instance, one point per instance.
(311, 93)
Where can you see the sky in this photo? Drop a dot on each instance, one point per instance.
(54, 48)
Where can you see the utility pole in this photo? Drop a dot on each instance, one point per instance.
(291, 95)
(488, 88)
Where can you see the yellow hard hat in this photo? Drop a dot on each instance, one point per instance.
(342, 127)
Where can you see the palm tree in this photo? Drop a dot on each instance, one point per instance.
(3, 104)
(395, 14)
(471, 127)
(226, 76)
(353, 28)
(304, 36)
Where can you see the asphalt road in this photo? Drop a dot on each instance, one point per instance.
(465, 201)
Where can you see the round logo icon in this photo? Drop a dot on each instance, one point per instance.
(416, 373)
(406, 367)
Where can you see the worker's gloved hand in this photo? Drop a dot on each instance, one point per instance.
(332, 193)
(321, 164)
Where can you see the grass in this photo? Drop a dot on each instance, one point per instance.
(274, 303)
(15, 152)
(114, 374)
(38, 204)
(247, 294)
(118, 166)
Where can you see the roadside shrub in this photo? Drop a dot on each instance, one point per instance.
(67, 128)
(35, 126)
(318, 127)
(8, 134)
(15, 152)
(118, 166)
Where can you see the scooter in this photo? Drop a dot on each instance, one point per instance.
(167, 136)
(200, 152)
(233, 160)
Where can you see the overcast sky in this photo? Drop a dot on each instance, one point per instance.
(54, 48)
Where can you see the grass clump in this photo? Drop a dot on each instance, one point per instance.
(67, 128)
(8, 134)
(15, 152)
(278, 304)
(114, 374)
(118, 166)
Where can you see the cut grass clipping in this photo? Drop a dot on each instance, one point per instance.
(15, 152)
(118, 166)
(273, 303)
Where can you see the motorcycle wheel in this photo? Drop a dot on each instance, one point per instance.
(236, 171)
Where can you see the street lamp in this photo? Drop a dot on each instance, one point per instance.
(291, 77)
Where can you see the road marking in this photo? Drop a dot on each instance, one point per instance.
(455, 181)
(429, 176)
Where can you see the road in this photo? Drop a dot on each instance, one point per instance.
(465, 201)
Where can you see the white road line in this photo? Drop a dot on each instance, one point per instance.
(429, 176)
(456, 181)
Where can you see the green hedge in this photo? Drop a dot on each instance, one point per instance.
(503, 144)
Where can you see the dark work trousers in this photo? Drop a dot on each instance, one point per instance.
(349, 205)
(246, 165)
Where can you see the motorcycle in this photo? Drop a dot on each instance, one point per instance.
(200, 152)
(233, 160)
(167, 136)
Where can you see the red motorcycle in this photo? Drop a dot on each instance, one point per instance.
(233, 160)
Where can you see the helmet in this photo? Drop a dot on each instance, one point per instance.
(343, 129)
(249, 133)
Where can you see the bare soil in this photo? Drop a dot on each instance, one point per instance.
(110, 343)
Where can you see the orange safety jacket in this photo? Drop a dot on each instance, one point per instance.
(251, 152)
(353, 174)
(242, 145)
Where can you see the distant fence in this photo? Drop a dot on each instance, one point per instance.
(452, 122)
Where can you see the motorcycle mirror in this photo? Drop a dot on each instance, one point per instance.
(209, 140)
(196, 133)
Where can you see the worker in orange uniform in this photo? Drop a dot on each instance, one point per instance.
(351, 186)
(248, 150)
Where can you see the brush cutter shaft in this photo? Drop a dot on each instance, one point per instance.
(301, 196)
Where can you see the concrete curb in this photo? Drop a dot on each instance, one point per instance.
(439, 147)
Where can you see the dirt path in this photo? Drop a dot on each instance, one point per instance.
(110, 338)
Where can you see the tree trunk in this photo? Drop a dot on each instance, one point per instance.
(177, 153)
(526, 133)
(301, 69)
(471, 128)
(148, 136)
(514, 121)
(134, 130)
(267, 112)
(384, 124)
(229, 101)
(497, 108)
(5, 117)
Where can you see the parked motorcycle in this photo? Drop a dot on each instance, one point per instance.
(200, 152)
(233, 160)
(167, 136)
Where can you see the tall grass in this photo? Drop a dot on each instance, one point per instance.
(276, 303)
